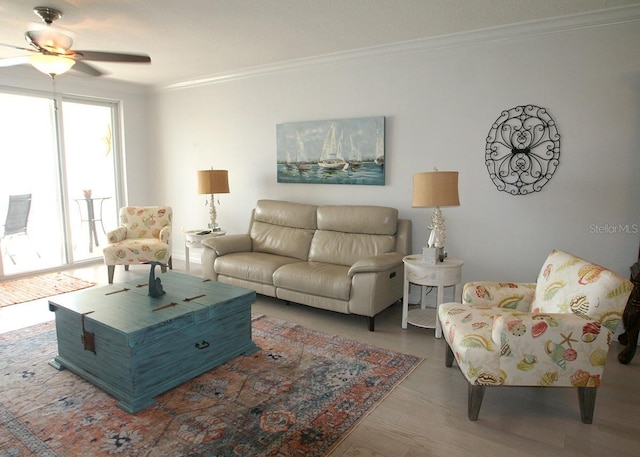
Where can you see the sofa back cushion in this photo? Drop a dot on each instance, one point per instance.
(568, 283)
(283, 228)
(349, 233)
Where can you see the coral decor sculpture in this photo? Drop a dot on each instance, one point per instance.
(438, 229)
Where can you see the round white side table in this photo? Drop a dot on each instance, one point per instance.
(193, 239)
(440, 275)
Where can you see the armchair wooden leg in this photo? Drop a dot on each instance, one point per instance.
(448, 356)
(476, 393)
(110, 271)
(587, 399)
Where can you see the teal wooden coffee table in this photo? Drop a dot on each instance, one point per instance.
(135, 347)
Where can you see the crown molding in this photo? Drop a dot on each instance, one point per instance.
(561, 24)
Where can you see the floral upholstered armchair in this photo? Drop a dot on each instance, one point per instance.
(144, 236)
(555, 332)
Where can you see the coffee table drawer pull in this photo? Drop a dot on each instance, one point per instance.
(202, 345)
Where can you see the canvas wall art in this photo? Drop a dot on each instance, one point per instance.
(343, 151)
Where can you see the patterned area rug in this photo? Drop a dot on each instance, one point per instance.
(298, 396)
(27, 289)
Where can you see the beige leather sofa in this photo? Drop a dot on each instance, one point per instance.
(342, 258)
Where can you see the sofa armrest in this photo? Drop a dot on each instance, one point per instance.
(116, 235)
(510, 295)
(376, 263)
(228, 244)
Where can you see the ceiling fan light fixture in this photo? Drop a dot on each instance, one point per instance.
(53, 39)
(52, 46)
(51, 65)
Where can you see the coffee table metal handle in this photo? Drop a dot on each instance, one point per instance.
(202, 345)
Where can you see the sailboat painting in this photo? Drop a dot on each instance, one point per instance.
(343, 151)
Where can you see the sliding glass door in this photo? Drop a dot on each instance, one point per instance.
(28, 166)
(61, 153)
(90, 175)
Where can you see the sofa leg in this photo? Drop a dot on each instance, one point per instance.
(126, 268)
(587, 399)
(448, 356)
(371, 323)
(476, 393)
(110, 271)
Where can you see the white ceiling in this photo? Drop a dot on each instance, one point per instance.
(191, 39)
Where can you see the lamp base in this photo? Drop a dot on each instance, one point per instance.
(213, 216)
(431, 256)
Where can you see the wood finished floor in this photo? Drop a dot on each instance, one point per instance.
(426, 415)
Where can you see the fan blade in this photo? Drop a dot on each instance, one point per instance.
(11, 61)
(87, 69)
(100, 56)
(17, 47)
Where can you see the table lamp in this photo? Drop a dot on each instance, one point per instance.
(213, 182)
(432, 190)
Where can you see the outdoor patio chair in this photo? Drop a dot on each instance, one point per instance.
(16, 222)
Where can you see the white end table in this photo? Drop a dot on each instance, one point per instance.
(192, 239)
(440, 275)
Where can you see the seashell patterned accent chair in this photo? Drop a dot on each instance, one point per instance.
(552, 333)
(144, 235)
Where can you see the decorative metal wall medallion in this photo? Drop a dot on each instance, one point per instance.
(523, 150)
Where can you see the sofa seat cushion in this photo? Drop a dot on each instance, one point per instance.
(315, 278)
(254, 266)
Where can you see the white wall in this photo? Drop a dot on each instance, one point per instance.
(440, 99)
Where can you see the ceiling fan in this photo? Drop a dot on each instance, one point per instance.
(51, 51)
